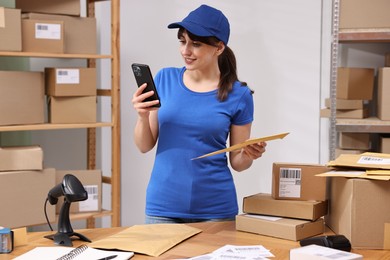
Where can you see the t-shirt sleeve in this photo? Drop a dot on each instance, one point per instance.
(245, 109)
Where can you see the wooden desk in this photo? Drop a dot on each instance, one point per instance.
(214, 236)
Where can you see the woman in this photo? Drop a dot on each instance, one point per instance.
(202, 104)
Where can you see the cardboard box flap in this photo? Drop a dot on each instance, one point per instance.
(364, 160)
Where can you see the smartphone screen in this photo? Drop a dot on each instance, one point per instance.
(143, 75)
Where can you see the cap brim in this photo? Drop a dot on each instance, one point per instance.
(192, 28)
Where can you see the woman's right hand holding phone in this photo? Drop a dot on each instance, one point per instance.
(143, 107)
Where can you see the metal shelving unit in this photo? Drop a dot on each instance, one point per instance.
(366, 36)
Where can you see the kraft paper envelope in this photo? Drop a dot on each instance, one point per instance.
(246, 143)
(364, 160)
(354, 174)
(150, 239)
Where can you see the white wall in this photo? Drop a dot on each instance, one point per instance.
(278, 46)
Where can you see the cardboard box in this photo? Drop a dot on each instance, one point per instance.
(42, 36)
(70, 81)
(80, 32)
(21, 158)
(357, 141)
(353, 113)
(384, 94)
(63, 110)
(363, 14)
(355, 83)
(92, 182)
(359, 209)
(10, 29)
(22, 197)
(339, 151)
(384, 144)
(294, 181)
(66, 7)
(264, 204)
(23, 97)
(345, 104)
(316, 252)
(291, 229)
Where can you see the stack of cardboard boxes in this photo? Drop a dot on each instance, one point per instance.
(295, 208)
(355, 87)
(54, 27)
(25, 183)
(71, 94)
(359, 195)
(354, 90)
(384, 102)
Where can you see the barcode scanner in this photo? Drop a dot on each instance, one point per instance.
(339, 242)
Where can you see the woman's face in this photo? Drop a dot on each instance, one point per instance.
(197, 55)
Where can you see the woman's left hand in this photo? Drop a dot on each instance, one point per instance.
(254, 151)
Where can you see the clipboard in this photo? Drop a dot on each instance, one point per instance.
(243, 144)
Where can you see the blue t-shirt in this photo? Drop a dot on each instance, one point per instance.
(192, 124)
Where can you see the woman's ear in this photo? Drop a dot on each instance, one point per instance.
(220, 48)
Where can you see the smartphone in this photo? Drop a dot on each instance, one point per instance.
(143, 75)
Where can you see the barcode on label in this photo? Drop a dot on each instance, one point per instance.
(91, 190)
(62, 72)
(371, 159)
(42, 27)
(290, 173)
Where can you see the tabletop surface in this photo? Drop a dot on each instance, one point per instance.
(213, 236)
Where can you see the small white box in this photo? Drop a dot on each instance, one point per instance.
(315, 252)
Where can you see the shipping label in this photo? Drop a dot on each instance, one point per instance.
(290, 182)
(48, 31)
(67, 76)
(91, 204)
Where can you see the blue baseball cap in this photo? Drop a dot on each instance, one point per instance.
(206, 21)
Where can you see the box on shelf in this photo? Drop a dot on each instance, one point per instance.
(355, 83)
(346, 104)
(23, 97)
(92, 182)
(66, 7)
(316, 252)
(286, 228)
(359, 209)
(384, 144)
(21, 158)
(363, 14)
(42, 36)
(10, 29)
(76, 30)
(339, 151)
(357, 141)
(22, 196)
(72, 110)
(264, 204)
(294, 181)
(70, 81)
(383, 94)
(353, 113)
